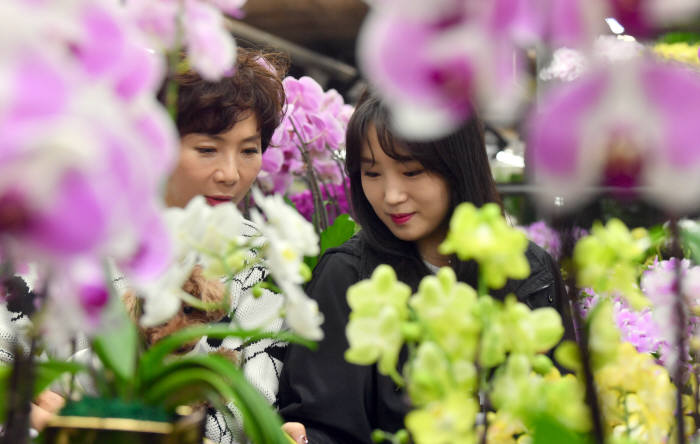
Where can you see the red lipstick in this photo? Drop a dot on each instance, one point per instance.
(217, 200)
(401, 218)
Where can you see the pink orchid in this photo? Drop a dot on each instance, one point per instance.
(623, 125)
(85, 149)
(431, 66)
(315, 122)
(211, 49)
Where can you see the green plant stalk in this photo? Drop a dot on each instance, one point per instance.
(20, 396)
(679, 307)
(157, 353)
(482, 287)
(260, 421)
(322, 222)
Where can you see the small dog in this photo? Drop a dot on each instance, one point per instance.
(208, 291)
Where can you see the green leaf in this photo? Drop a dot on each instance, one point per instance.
(117, 347)
(680, 37)
(5, 372)
(212, 372)
(342, 229)
(48, 372)
(153, 358)
(550, 431)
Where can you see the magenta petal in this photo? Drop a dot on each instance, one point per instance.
(632, 16)
(676, 93)
(75, 223)
(40, 91)
(567, 23)
(103, 45)
(313, 93)
(555, 131)
(160, 137)
(153, 254)
(272, 160)
(140, 71)
(394, 55)
(93, 298)
(521, 19)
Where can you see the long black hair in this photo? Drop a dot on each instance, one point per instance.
(459, 158)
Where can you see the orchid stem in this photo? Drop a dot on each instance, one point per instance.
(566, 232)
(321, 219)
(681, 321)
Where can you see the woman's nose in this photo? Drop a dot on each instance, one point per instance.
(227, 172)
(394, 192)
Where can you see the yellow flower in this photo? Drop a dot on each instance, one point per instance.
(681, 51)
(484, 235)
(449, 421)
(636, 395)
(379, 307)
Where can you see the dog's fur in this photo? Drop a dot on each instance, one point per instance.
(208, 291)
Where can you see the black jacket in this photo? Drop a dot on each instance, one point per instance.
(339, 402)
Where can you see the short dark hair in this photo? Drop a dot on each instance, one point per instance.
(215, 107)
(459, 158)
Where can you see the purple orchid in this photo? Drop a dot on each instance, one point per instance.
(335, 194)
(658, 284)
(623, 125)
(548, 238)
(315, 122)
(639, 328)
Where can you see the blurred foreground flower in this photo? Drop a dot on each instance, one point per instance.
(608, 260)
(483, 234)
(85, 145)
(374, 330)
(623, 125)
(196, 25)
(227, 245)
(430, 63)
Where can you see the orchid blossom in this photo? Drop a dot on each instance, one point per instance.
(196, 25)
(84, 150)
(313, 126)
(623, 125)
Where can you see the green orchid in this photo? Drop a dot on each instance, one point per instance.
(379, 307)
(447, 309)
(484, 235)
(608, 260)
(449, 421)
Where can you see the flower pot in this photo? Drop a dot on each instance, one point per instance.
(89, 430)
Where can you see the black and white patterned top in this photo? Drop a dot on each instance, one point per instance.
(261, 361)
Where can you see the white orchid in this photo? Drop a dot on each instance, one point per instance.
(285, 223)
(301, 313)
(206, 229)
(163, 296)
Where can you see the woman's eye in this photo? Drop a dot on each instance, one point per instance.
(413, 173)
(370, 174)
(205, 150)
(251, 151)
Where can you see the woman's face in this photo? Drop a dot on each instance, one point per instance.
(411, 201)
(220, 167)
